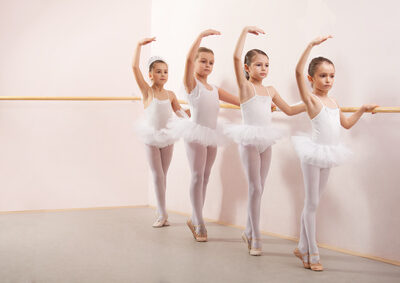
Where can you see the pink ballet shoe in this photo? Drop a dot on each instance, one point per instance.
(198, 237)
(301, 256)
(161, 222)
(255, 251)
(247, 240)
(316, 266)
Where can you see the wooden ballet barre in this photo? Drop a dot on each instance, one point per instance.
(111, 98)
(376, 110)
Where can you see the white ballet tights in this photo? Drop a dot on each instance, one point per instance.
(201, 158)
(256, 166)
(159, 160)
(315, 179)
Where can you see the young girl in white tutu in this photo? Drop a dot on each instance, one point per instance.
(201, 133)
(256, 135)
(159, 140)
(323, 150)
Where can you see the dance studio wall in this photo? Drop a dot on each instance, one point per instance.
(56, 155)
(359, 211)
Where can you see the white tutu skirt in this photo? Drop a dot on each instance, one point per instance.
(254, 135)
(151, 136)
(320, 155)
(193, 132)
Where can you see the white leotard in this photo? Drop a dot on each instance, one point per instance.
(202, 127)
(326, 125)
(204, 105)
(155, 129)
(257, 110)
(158, 112)
(256, 128)
(323, 149)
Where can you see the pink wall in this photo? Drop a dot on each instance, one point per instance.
(359, 211)
(70, 154)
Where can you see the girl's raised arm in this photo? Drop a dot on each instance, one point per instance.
(144, 87)
(188, 79)
(237, 55)
(301, 82)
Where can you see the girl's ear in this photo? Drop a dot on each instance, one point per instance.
(246, 68)
(150, 75)
(310, 79)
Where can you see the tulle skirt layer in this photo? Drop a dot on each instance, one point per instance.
(254, 135)
(193, 132)
(151, 136)
(320, 155)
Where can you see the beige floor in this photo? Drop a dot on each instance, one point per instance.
(119, 245)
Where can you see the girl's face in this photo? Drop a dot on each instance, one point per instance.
(323, 78)
(204, 64)
(259, 67)
(159, 73)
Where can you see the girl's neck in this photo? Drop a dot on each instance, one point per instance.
(202, 79)
(255, 82)
(157, 88)
(319, 92)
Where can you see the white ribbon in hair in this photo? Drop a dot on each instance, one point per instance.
(153, 59)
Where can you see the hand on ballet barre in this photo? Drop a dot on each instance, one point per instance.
(370, 108)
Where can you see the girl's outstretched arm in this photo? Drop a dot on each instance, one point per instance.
(177, 107)
(237, 55)
(286, 108)
(305, 95)
(228, 97)
(348, 122)
(144, 87)
(188, 79)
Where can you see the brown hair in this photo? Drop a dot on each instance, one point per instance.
(203, 49)
(249, 57)
(314, 64)
(151, 67)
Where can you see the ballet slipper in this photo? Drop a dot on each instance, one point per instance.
(198, 237)
(247, 240)
(297, 253)
(161, 223)
(316, 266)
(255, 251)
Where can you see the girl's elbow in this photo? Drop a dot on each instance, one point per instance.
(346, 126)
